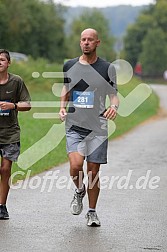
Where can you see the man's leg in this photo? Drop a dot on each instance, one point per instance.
(5, 172)
(76, 168)
(93, 183)
(97, 155)
(93, 193)
(77, 174)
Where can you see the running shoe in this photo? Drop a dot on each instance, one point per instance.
(3, 212)
(76, 204)
(92, 219)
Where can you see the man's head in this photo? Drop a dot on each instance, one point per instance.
(4, 60)
(6, 54)
(89, 41)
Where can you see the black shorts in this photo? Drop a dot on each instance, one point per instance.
(10, 151)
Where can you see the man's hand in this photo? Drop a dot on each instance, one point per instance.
(6, 105)
(110, 113)
(62, 114)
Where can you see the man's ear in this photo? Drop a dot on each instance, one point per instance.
(98, 42)
(9, 62)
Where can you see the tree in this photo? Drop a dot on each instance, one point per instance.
(146, 40)
(134, 37)
(160, 14)
(154, 53)
(3, 24)
(33, 27)
(94, 19)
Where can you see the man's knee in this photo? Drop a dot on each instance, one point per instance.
(93, 168)
(5, 171)
(76, 162)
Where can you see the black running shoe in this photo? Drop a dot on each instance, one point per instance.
(3, 213)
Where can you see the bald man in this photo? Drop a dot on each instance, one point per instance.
(88, 80)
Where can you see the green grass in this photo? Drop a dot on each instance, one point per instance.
(148, 108)
(155, 81)
(32, 130)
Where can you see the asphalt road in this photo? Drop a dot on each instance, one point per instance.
(132, 206)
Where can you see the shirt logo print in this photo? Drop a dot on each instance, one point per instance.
(8, 92)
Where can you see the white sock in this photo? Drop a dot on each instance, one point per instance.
(92, 210)
(79, 190)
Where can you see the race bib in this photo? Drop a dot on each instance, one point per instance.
(4, 112)
(83, 99)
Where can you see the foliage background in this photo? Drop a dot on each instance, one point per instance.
(146, 40)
